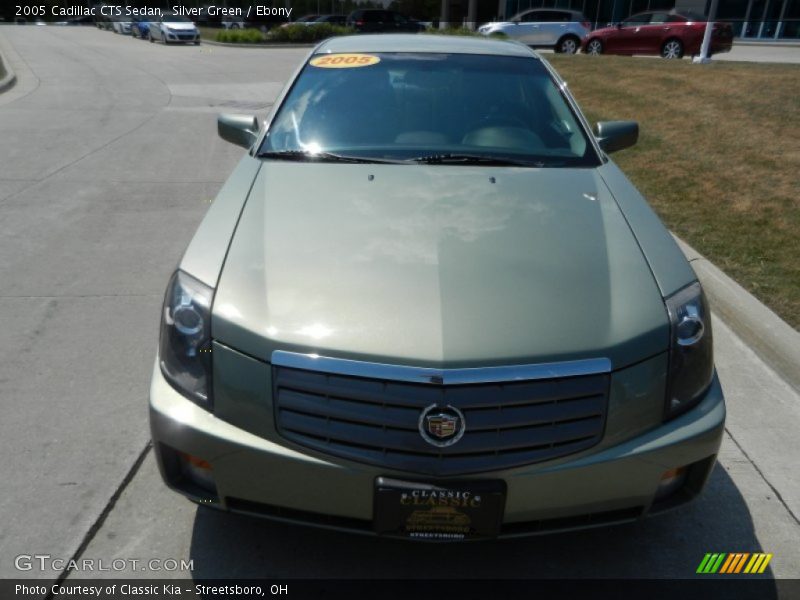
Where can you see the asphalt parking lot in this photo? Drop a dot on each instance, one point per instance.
(108, 160)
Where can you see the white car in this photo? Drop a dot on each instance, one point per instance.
(561, 30)
(174, 28)
(123, 27)
(233, 23)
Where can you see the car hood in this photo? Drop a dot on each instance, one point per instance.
(180, 25)
(446, 266)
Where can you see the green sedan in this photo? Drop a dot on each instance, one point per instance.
(427, 305)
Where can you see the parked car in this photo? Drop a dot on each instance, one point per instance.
(444, 294)
(669, 34)
(382, 21)
(304, 20)
(173, 28)
(561, 30)
(233, 23)
(121, 27)
(140, 27)
(340, 20)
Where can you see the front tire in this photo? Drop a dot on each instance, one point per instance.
(163, 38)
(594, 47)
(672, 48)
(569, 44)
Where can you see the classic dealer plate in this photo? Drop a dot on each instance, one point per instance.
(453, 511)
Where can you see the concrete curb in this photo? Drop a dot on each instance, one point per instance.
(766, 44)
(10, 77)
(227, 45)
(769, 336)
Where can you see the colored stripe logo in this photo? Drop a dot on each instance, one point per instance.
(734, 563)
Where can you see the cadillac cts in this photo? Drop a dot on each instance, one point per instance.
(427, 304)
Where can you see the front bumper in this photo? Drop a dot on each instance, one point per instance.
(182, 36)
(258, 476)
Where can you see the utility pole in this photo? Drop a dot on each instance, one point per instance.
(704, 58)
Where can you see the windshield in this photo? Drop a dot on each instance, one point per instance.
(176, 19)
(429, 107)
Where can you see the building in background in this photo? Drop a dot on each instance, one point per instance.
(753, 19)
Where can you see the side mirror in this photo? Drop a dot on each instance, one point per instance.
(241, 130)
(616, 135)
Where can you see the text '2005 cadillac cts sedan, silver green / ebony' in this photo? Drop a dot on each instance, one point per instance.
(426, 304)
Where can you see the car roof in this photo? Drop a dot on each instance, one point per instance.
(445, 44)
(550, 9)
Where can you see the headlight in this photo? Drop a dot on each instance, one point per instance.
(185, 345)
(691, 357)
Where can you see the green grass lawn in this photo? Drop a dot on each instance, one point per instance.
(718, 158)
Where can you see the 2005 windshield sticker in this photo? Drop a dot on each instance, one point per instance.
(344, 61)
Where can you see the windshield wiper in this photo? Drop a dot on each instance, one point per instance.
(305, 155)
(476, 159)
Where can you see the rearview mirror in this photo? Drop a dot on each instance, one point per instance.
(616, 135)
(241, 130)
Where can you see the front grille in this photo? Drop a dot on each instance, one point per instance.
(375, 421)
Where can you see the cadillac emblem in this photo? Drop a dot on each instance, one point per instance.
(441, 426)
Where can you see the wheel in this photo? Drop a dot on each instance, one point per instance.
(594, 47)
(672, 49)
(150, 37)
(568, 45)
(163, 38)
(197, 42)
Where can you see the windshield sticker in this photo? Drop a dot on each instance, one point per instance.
(344, 61)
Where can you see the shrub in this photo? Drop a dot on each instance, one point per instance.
(240, 36)
(299, 34)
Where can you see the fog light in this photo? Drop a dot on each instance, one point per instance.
(671, 481)
(198, 471)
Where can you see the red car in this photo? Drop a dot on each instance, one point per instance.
(670, 34)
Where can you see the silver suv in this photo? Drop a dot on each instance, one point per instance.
(561, 30)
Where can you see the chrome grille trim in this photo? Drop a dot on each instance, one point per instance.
(429, 376)
(360, 413)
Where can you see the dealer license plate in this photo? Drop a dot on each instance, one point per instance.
(456, 510)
